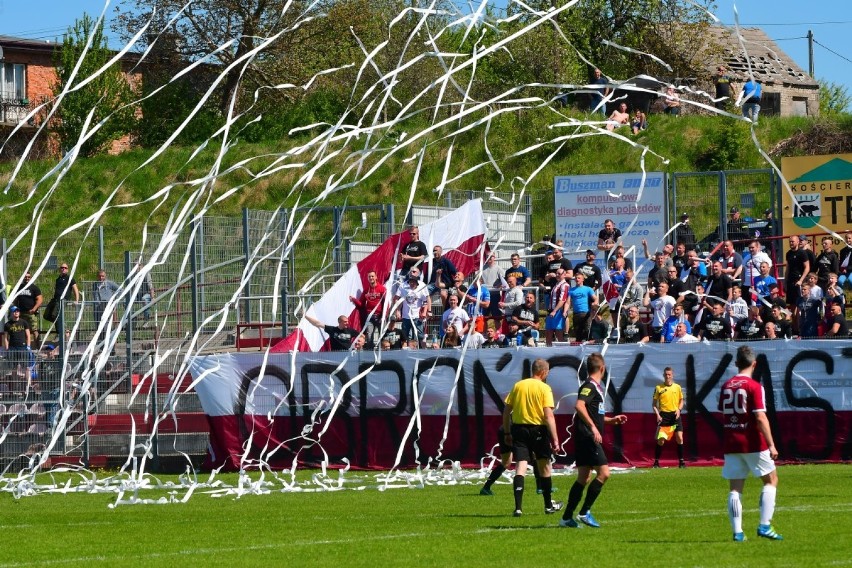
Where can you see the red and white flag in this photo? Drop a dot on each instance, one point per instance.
(460, 233)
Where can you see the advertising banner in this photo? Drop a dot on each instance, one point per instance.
(426, 406)
(821, 196)
(635, 202)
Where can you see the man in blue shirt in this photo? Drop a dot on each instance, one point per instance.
(581, 300)
(751, 99)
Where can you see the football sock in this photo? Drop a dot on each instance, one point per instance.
(495, 475)
(680, 452)
(537, 475)
(658, 451)
(547, 490)
(767, 504)
(594, 490)
(574, 497)
(735, 511)
(518, 484)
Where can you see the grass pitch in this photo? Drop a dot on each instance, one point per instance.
(665, 517)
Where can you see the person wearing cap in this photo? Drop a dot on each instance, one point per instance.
(684, 233)
(16, 332)
(736, 229)
(590, 271)
(17, 338)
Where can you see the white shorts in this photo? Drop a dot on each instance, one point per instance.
(738, 466)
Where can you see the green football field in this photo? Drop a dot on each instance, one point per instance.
(665, 517)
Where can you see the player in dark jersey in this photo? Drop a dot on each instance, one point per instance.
(588, 437)
(749, 446)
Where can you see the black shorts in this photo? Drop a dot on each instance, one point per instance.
(530, 442)
(588, 453)
(671, 419)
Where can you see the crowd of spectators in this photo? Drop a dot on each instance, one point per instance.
(684, 297)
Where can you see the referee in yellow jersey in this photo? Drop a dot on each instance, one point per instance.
(667, 404)
(531, 430)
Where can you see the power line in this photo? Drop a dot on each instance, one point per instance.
(832, 51)
(831, 23)
(789, 38)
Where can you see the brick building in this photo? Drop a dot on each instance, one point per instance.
(27, 76)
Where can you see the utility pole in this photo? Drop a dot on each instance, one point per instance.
(811, 53)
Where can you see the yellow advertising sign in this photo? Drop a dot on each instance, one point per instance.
(821, 193)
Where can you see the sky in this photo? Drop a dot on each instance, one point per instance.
(782, 20)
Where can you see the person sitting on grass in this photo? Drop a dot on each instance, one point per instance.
(640, 122)
(618, 118)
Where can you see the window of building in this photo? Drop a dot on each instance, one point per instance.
(13, 81)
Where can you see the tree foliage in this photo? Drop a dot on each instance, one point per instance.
(834, 99)
(104, 97)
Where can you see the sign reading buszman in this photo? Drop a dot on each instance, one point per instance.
(635, 203)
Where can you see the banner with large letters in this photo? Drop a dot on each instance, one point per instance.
(404, 408)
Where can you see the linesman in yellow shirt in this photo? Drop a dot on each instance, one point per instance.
(667, 404)
(530, 428)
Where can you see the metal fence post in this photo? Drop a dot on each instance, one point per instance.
(246, 251)
(128, 326)
(199, 275)
(723, 207)
(338, 220)
(193, 264)
(101, 255)
(285, 275)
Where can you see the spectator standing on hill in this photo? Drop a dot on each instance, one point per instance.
(600, 93)
(749, 446)
(752, 91)
(722, 82)
(588, 441)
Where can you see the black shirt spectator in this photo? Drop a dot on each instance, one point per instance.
(714, 326)
(590, 270)
(65, 285)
